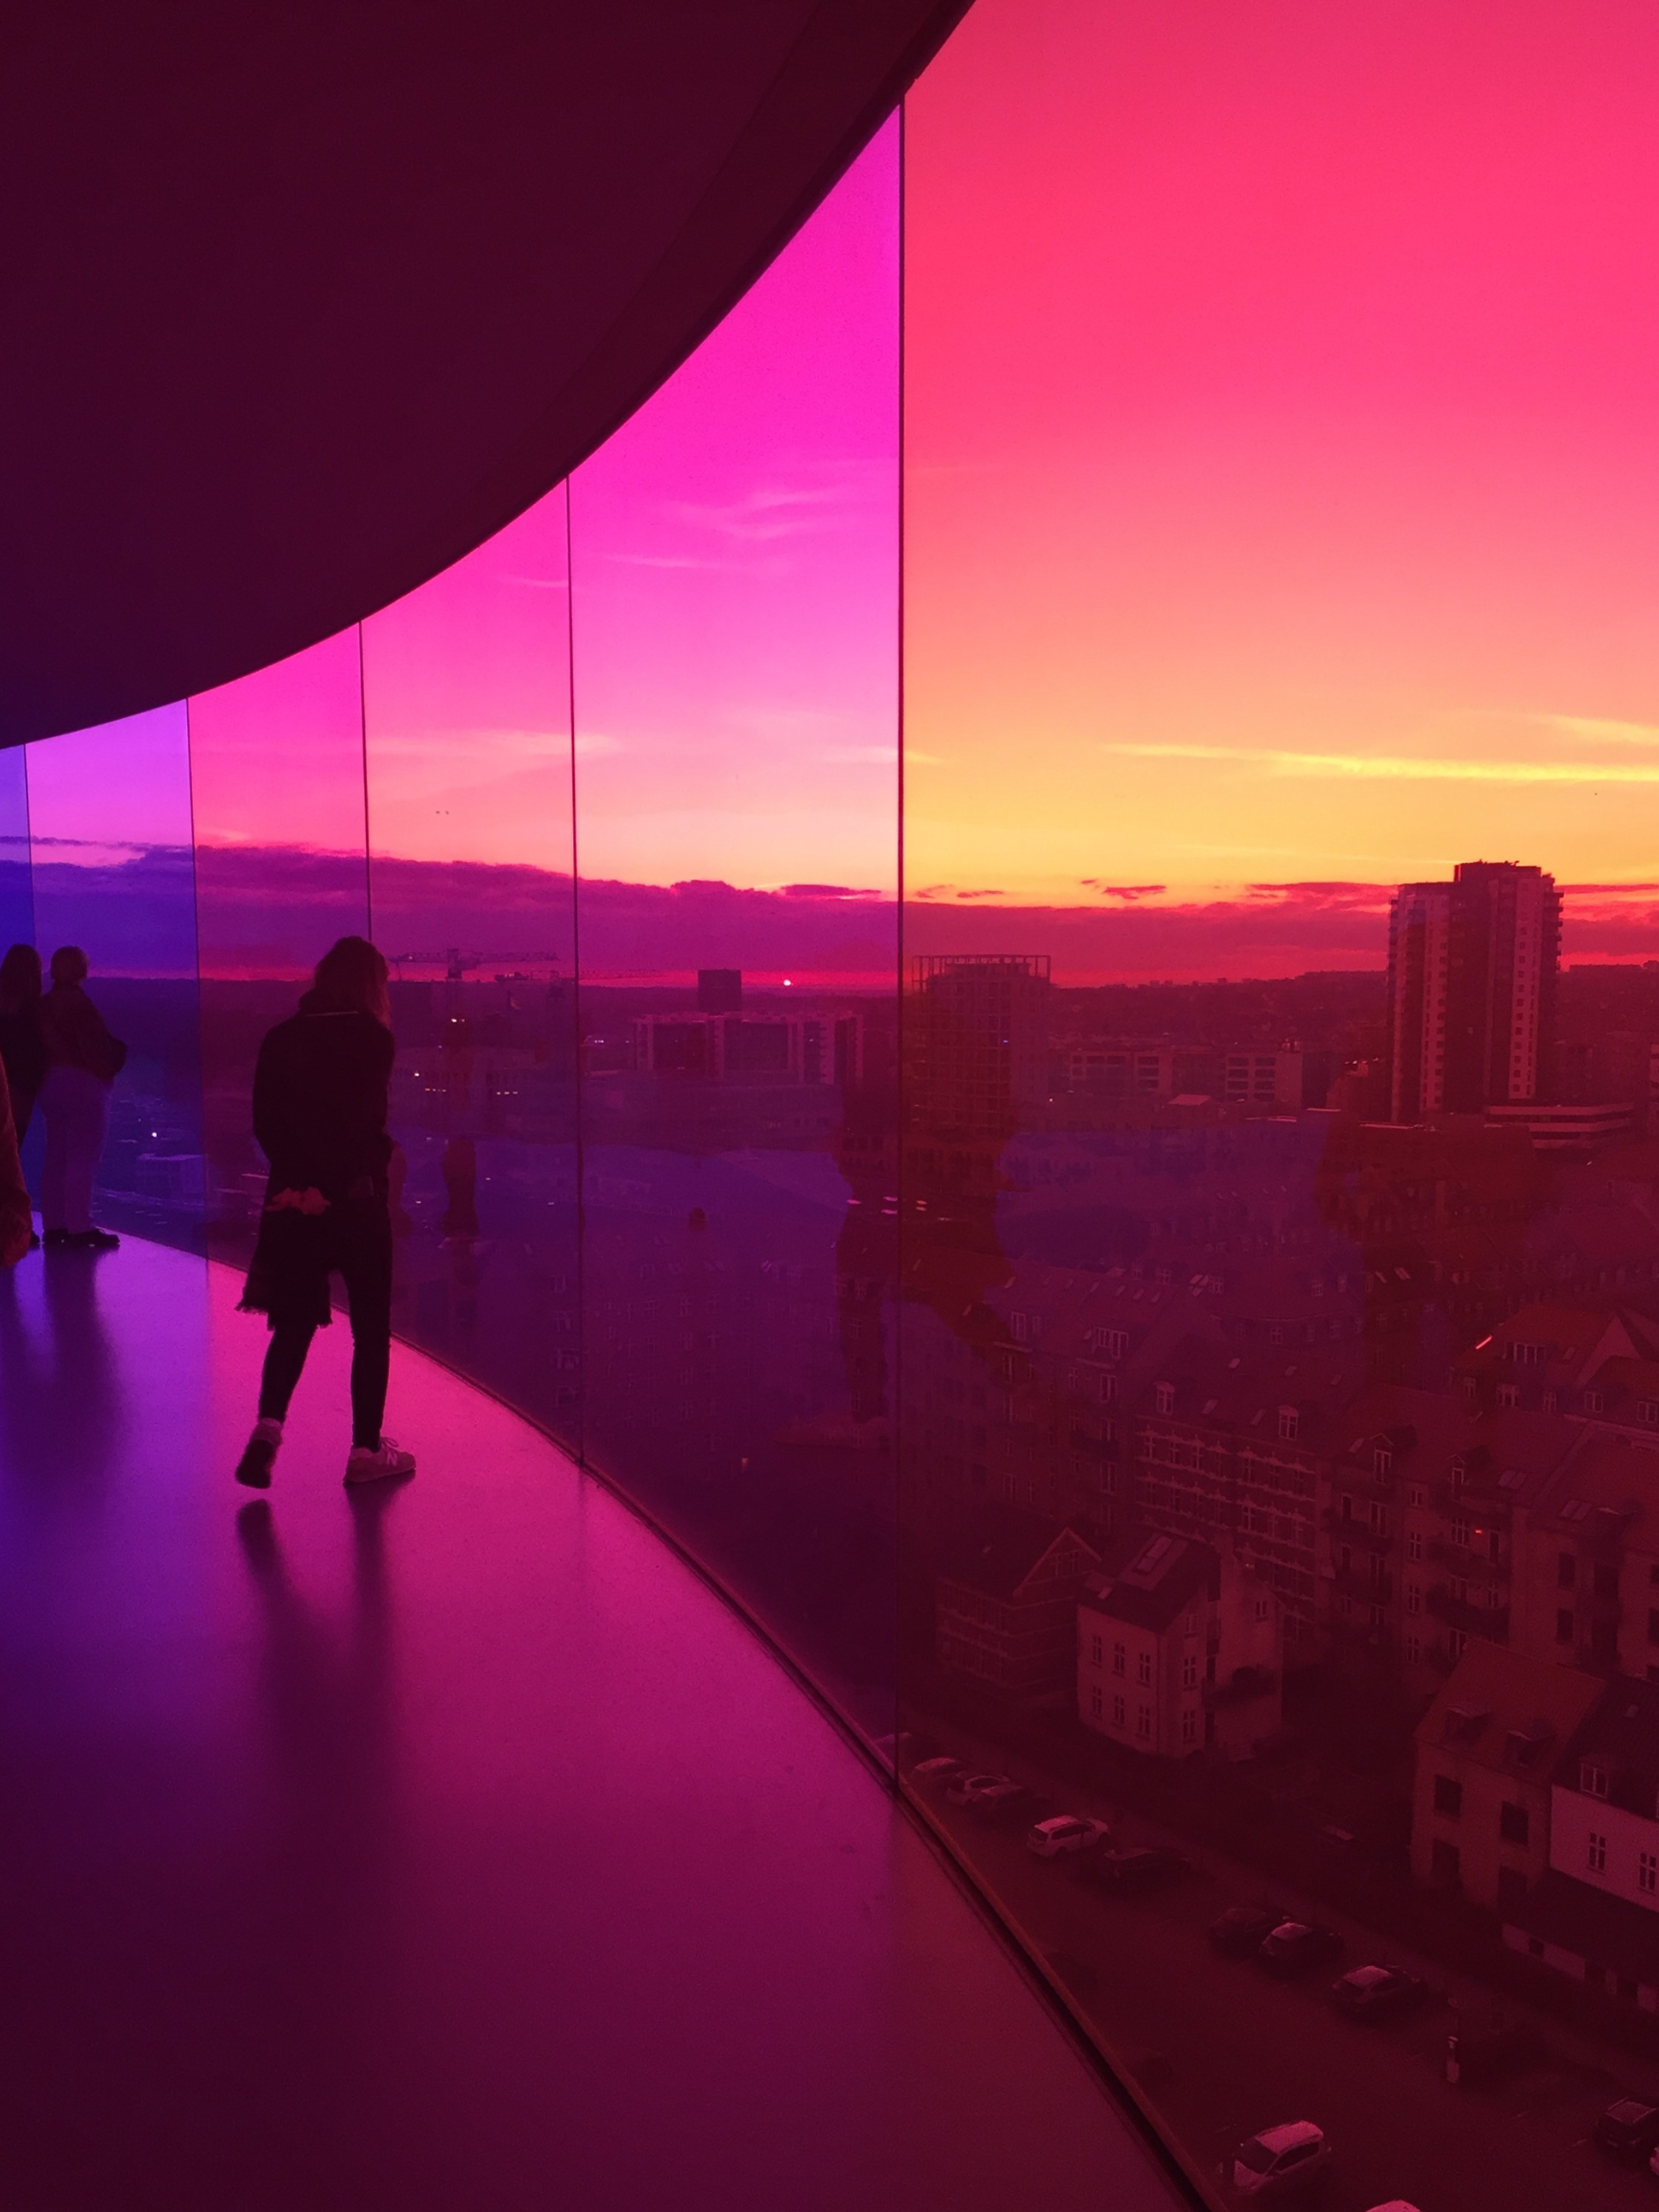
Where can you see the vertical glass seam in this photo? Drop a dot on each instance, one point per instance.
(581, 1422)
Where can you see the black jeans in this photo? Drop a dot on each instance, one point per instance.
(362, 1254)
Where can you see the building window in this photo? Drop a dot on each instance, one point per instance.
(1648, 1874)
(1647, 1409)
(1117, 1710)
(1190, 1729)
(1143, 1722)
(1166, 1397)
(1097, 1702)
(1413, 1649)
(1456, 1642)
(1413, 1599)
(1447, 1796)
(1508, 1397)
(1596, 1854)
(1566, 1571)
(1289, 1421)
(1461, 1534)
(1143, 1668)
(1119, 1658)
(1264, 1608)
(1593, 1402)
(1592, 1778)
(1414, 1544)
(1189, 1672)
(1445, 1863)
(1096, 1650)
(1563, 1627)
(1514, 1824)
(1382, 1462)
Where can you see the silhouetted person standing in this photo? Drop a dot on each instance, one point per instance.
(22, 1045)
(83, 1061)
(319, 1107)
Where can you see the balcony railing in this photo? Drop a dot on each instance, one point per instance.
(1374, 1589)
(1489, 1621)
(1360, 1533)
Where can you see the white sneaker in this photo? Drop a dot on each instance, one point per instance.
(253, 1468)
(366, 1466)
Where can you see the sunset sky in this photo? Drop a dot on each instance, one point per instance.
(1282, 479)
(1283, 462)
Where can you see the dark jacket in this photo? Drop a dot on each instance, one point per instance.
(23, 1049)
(75, 1034)
(320, 1101)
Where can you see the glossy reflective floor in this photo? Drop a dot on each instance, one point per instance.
(446, 1845)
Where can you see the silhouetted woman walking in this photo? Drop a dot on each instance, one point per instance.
(83, 1061)
(319, 1106)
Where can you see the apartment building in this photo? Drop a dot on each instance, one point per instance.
(1179, 1648)
(1488, 1751)
(1006, 1601)
(1586, 1580)
(1595, 1915)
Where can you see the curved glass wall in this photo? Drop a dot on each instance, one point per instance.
(1183, 1338)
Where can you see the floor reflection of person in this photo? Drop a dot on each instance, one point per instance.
(83, 1061)
(16, 1229)
(320, 1109)
(22, 1046)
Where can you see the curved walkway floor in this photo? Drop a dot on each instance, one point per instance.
(444, 1846)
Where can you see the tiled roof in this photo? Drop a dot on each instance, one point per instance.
(1496, 1702)
(1002, 1548)
(1149, 1578)
(1623, 1730)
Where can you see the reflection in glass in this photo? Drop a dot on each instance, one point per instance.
(109, 811)
(277, 765)
(16, 895)
(467, 708)
(1279, 1185)
(736, 633)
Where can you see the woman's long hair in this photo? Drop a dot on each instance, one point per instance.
(19, 978)
(352, 976)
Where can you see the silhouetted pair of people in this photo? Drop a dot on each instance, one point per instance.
(321, 1102)
(58, 1053)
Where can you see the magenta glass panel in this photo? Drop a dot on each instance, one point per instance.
(109, 814)
(1279, 1181)
(735, 615)
(467, 705)
(276, 768)
(16, 895)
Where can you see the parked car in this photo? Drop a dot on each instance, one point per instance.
(1298, 1946)
(1241, 1928)
(1065, 1832)
(1000, 1801)
(1144, 1866)
(1371, 1993)
(1281, 2161)
(966, 1787)
(933, 1772)
(1629, 2128)
(1491, 2056)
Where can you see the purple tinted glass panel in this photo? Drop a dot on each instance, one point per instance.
(1280, 1169)
(16, 896)
(112, 872)
(276, 762)
(466, 706)
(735, 615)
